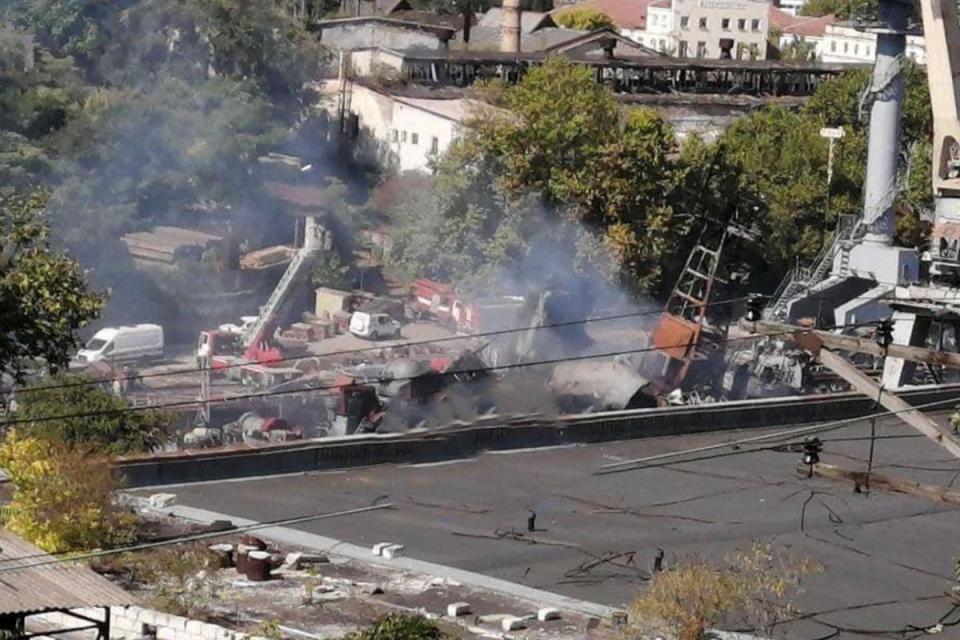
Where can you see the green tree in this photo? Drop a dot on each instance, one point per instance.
(113, 430)
(43, 296)
(584, 19)
(62, 495)
(842, 9)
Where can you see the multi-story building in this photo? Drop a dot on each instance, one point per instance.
(842, 42)
(720, 28)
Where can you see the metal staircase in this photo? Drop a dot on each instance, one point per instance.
(802, 279)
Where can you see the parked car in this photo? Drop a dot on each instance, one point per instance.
(115, 344)
(374, 326)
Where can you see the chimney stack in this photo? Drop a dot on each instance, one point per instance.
(510, 28)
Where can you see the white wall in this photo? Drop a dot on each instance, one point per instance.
(658, 34)
(128, 623)
(702, 24)
(843, 43)
(395, 133)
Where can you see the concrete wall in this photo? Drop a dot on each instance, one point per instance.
(342, 453)
(134, 622)
(394, 134)
(746, 24)
(354, 35)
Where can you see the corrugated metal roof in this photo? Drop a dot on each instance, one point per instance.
(26, 588)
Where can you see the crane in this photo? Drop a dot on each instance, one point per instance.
(942, 41)
(252, 356)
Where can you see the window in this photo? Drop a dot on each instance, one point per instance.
(703, 24)
(403, 136)
(435, 145)
(755, 25)
(742, 24)
(846, 47)
(868, 51)
(701, 49)
(833, 46)
(682, 51)
(856, 49)
(725, 24)
(685, 22)
(396, 136)
(414, 138)
(754, 51)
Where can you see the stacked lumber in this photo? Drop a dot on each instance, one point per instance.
(267, 257)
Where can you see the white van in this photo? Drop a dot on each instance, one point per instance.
(140, 341)
(373, 326)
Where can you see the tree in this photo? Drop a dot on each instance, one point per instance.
(564, 139)
(584, 19)
(43, 296)
(113, 431)
(62, 496)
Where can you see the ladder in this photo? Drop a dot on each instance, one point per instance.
(296, 272)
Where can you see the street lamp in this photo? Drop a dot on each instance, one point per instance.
(811, 453)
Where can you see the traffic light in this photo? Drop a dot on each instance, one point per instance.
(885, 333)
(754, 308)
(811, 453)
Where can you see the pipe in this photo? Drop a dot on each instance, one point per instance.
(880, 189)
(510, 27)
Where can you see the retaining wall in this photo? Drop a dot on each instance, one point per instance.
(425, 447)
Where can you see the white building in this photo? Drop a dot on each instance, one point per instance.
(659, 28)
(843, 43)
(721, 28)
(397, 133)
(792, 7)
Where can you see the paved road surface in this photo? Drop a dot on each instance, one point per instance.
(888, 558)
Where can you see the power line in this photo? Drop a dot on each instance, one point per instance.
(645, 462)
(462, 372)
(190, 537)
(416, 343)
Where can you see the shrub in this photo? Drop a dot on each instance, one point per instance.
(62, 495)
(399, 626)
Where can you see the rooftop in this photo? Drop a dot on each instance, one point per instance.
(32, 581)
(803, 26)
(625, 14)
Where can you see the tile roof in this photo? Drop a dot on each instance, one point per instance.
(806, 26)
(32, 581)
(625, 14)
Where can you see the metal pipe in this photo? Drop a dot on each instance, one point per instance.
(886, 85)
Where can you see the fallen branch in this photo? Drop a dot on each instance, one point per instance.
(885, 483)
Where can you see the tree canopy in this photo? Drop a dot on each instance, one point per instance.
(584, 19)
(43, 296)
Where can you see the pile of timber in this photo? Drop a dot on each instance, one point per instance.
(168, 244)
(267, 257)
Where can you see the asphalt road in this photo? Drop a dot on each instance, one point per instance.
(887, 559)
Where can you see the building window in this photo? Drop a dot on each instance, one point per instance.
(856, 49)
(396, 136)
(701, 49)
(414, 138)
(435, 145)
(403, 136)
(742, 24)
(725, 24)
(868, 51)
(754, 51)
(685, 22)
(682, 51)
(703, 24)
(846, 47)
(755, 25)
(833, 46)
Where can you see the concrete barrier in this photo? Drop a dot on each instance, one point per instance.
(439, 446)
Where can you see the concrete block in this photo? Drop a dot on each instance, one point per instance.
(513, 624)
(457, 609)
(393, 551)
(177, 623)
(166, 633)
(183, 635)
(194, 628)
(379, 547)
(211, 632)
(161, 620)
(292, 561)
(548, 613)
(162, 500)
